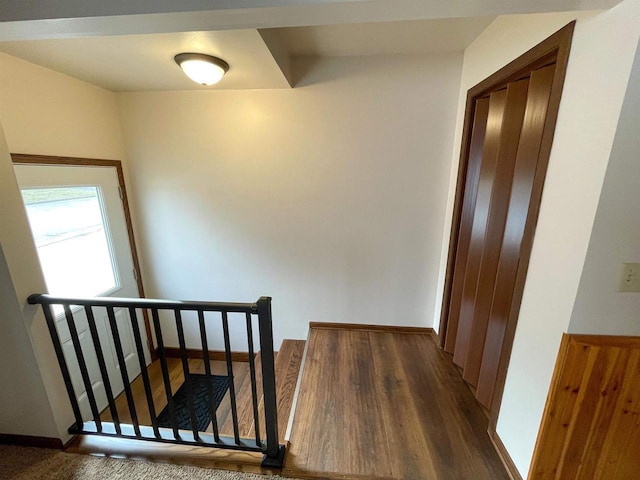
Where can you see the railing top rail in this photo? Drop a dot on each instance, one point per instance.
(44, 299)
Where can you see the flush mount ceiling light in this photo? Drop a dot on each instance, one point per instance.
(201, 68)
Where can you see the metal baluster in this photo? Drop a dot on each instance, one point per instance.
(252, 370)
(103, 368)
(273, 452)
(187, 376)
(165, 371)
(207, 370)
(143, 370)
(232, 390)
(57, 346)
(84, 373)
(123, 369)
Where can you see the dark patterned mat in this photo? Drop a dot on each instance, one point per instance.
(201, 401)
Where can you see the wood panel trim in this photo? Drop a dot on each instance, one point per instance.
(561, 43)
(554, 48)
(502, 452)
(372, 328)
(475, 249)
(495, 224)
(587, 427)
(31, 441)
(174, 352)
(555, 382)
(476, 149)
(434, 336)
(526, 162)
(605, 340)
(29, 159)
(544, 53)
(469, 115)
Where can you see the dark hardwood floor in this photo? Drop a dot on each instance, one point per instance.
(371, 405)
(380, 405)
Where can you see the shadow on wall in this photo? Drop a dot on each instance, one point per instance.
(24, 407)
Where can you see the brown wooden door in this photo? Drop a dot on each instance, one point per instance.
(504, 149)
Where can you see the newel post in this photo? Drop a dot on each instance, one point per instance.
(274, 455)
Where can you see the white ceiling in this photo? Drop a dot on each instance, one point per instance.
(128, 45)
(30, 20)
(387, 38)
(145, 62)
(19, 10)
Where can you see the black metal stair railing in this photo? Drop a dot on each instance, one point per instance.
(269, 446)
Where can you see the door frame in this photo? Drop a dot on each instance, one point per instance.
(28, 159)
(555, 48)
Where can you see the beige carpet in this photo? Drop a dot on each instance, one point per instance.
(24, 463)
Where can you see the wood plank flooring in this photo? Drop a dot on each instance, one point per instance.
(371, 405)
(287, 364)
(176, 376)
(380, 405)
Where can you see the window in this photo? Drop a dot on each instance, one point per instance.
(70, 231)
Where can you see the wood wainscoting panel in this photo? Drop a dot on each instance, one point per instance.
(591, 424)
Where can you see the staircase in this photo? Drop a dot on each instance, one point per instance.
(162, 400)
(287, 364)
(352, 402)
(287, 367)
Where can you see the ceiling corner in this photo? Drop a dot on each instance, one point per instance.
(279, 51)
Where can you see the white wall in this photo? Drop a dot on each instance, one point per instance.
(45, 112)
(599, 67)
(329, 197)
(41, 112)
(24, 406)
(600, 308)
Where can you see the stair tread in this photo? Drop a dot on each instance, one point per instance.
(287, 366)
(288, 362)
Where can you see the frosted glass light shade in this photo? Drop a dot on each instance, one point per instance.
(201, 68)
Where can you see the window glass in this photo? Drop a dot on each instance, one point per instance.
(69, 230)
